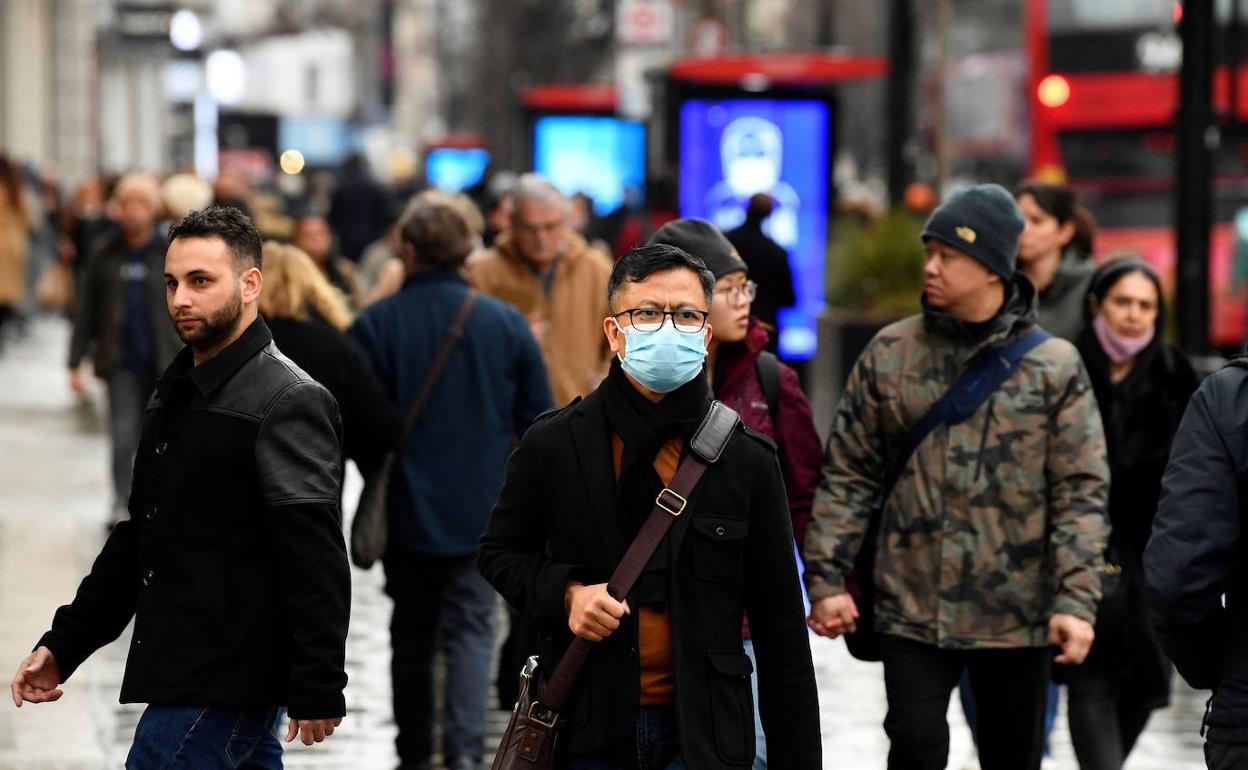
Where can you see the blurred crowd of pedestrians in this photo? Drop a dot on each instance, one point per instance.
(1020, 527)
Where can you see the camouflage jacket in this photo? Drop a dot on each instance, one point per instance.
(997, 522)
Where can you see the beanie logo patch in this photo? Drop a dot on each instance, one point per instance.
(966, 234)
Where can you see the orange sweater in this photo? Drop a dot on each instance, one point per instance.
(654, 628)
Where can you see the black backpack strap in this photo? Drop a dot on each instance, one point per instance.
(768, 368)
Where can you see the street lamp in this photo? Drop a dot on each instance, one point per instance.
(185, 31)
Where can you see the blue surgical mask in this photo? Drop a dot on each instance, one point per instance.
(662, 360)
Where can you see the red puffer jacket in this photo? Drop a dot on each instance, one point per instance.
(793, 430)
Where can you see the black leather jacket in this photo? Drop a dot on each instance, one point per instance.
(233, 562)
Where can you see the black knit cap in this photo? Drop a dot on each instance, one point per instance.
(983, 222)
(704, 241)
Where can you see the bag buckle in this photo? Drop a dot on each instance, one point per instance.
(530, 667)
(542, 715)
(675, 508)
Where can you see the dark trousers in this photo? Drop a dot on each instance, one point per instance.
(1010, 688)
(1226, 756)
(127, 396)
(1104, 722)
(439, 602)
(657, 745)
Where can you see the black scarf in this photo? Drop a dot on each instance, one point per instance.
(644, 427)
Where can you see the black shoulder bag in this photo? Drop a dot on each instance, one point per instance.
(986, 372)
(528, 743)
(370, 529)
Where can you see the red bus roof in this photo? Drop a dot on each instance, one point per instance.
(779, 69)
(571, 97)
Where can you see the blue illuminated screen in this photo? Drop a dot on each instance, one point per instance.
(600, 156)
(323, 141)
(455, 168)
(731, 149)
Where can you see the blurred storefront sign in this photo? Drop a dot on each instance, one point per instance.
(323, 141)
(645, 23)
(143, 22)
(251, 163)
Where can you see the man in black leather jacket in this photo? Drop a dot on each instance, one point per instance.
(232, 562)
(1196, 562)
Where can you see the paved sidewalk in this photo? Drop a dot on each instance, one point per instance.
(53, 505)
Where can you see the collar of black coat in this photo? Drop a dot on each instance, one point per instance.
(1017, 314)
(434, 275)
(213, 373)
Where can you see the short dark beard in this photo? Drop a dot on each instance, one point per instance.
(217, 326)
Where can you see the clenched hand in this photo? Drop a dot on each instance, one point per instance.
(592, 613)
(1074, 635)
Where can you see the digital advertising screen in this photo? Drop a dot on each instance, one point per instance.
(600, 156)
(731, 149)
(322, 141)
(455, 168)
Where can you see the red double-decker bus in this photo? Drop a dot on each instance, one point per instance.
(1104, 88)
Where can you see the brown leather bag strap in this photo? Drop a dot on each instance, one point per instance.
(710, 440)
(439, 362)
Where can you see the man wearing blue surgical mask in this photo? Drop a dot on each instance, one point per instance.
(667, 683)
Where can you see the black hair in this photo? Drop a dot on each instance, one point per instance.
(1058, 201)
(639, 263)
(1113, 271)
(230, 225)
(759, 207)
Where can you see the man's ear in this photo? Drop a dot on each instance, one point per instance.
(253, 283)
(615, 335)
(407, 253)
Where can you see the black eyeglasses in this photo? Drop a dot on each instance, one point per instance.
(650, 319)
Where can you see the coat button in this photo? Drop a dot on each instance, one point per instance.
(152, 511)
(161, 447)
(148, 577)
(719, 531)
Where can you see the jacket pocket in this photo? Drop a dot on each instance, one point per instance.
(732, 705)
(718, 546)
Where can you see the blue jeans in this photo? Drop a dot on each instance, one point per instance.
(207, 738)
(760, 740)
(439, 602)
(657, 746)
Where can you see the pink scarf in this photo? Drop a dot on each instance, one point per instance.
(1120, 349)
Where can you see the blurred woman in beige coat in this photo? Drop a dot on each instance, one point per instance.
(14, 236)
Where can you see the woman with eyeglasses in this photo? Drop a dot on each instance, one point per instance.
(744, 376)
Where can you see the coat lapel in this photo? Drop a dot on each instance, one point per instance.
(592, 439)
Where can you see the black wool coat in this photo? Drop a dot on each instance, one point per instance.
(1196, 562)
(232, 562)
(731, 552)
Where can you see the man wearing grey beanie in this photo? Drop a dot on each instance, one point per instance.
(983, 525)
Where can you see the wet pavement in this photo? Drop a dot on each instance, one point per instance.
(54, 503)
